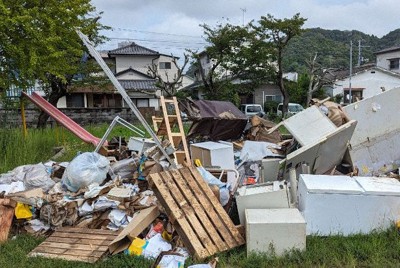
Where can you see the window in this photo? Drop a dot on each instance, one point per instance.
(165, 65)
(75, 100)
(277, 98)
(393, 64)
(356, 94)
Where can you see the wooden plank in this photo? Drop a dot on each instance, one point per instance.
(81, 241)
(219, 209)
(6, 216)
(199, 210)
(209, 203)
(84, 236)
(190, 214)
(64, 257)
(78, 244)
(178, 218)
(74, 246)
(86, 231)
(70, 252)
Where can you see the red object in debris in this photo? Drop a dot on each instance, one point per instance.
(156, 229)
(250, 181)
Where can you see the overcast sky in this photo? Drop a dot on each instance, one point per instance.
(170, 26)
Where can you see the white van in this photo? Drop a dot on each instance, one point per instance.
(252, 109)
(293, 108)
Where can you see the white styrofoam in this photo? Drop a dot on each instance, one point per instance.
(374, 206)
(309, 126)
(261, 196)
(281, 229)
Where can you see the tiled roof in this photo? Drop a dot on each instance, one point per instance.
(390, 49)
(130, 69)
(343, 73)
(147, 85)
(133, 49)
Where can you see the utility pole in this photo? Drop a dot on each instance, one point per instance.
(243, 11)
(359, 52)
(351, 68)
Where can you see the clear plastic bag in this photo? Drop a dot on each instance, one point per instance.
(85, 169)
(38, 177)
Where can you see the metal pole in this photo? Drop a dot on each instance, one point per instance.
(124, 95)
(359, 53)
(351, 68)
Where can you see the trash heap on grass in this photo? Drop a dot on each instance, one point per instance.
(240, 187)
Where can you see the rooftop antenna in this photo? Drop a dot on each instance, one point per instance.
(243, 11)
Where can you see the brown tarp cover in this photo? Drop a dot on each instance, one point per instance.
(217, 120)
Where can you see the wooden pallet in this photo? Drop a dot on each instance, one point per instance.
(195, 212)
(75, 244)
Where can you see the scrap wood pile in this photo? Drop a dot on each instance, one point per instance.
(134, 202)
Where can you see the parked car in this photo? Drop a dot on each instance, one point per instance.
(293, 108)
(252, 109)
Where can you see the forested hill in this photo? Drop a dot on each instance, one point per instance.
(333, 48)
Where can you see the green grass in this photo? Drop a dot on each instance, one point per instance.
(380, 249)
(374, 250)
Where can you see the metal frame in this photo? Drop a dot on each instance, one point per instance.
(123, 122)
(123, 93)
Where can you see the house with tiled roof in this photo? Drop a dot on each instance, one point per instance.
(130, 64)
(369, 79)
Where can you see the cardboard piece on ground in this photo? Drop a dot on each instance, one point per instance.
(29, 197)
(134, 228)
(6, 216)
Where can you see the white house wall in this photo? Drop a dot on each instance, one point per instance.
(372, 82)
(382, 59)
(167, 74)
(131, 76)
(139, 63)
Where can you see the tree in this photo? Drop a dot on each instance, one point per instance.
(319, 77)
(278, 33)
(38, 42)
(170, 86)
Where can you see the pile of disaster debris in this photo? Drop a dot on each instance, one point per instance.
(242, 182)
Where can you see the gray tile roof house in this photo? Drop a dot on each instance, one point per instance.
(133, 49)
(138, 85)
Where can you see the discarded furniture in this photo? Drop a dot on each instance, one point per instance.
(196, 214)
(75, 244)
(261, 196)
(269, 169)
(324, 154)
(275, 230)
(343, 205)
(376, 139)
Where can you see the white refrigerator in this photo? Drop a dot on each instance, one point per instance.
(343, 205)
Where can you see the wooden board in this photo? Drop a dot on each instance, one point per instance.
(75, 244)
(195, 212)
(6, 216)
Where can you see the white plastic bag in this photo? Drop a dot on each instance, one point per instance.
(38, 177)
(85, 169)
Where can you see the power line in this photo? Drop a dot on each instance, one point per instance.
(149, 32)
(156, 40)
